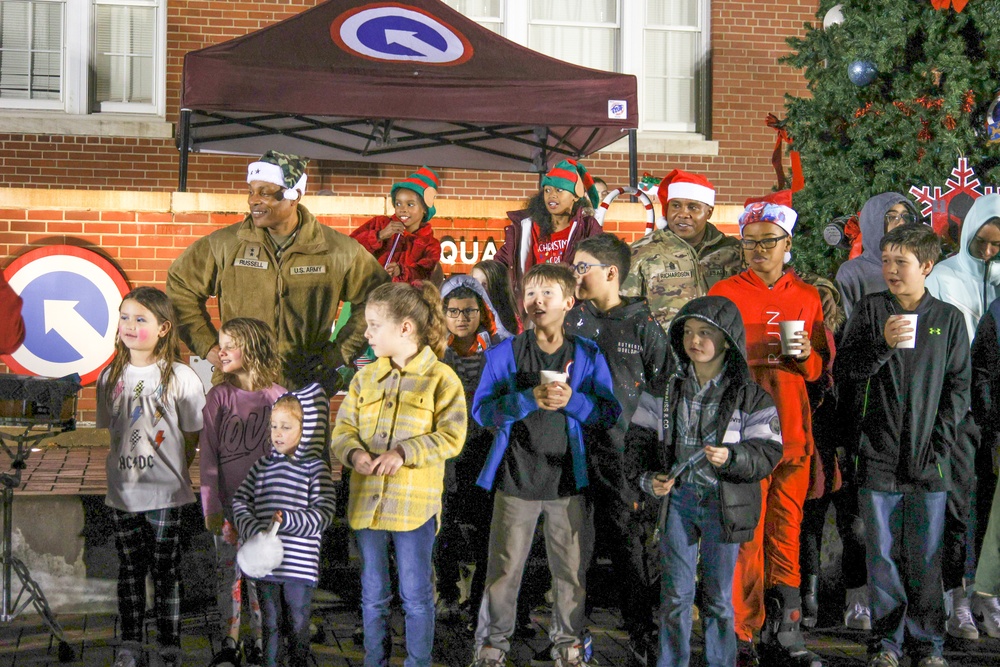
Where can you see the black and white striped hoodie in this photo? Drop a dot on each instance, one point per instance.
(300, 486)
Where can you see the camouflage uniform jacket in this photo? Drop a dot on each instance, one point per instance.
(665, 270)
(720, 255)
(297, 295)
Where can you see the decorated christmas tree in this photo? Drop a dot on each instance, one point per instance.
(900, 91)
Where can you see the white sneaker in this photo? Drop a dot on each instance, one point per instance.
(857, 613)
(129, 655)
(960, 622)
(986, 611)
(570, 656)
(490, 657)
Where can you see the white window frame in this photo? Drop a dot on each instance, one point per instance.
(78, 55)
(660, 136)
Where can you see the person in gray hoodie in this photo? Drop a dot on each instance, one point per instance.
(863, 275)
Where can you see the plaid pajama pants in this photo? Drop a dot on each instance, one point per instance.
(149, 542)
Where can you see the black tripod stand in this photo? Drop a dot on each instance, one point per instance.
(18, 395)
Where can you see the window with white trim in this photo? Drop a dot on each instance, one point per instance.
(117, 64)
(664, 43)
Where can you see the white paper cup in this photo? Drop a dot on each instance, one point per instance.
(553, 376)
(911, 321)
(789, 329)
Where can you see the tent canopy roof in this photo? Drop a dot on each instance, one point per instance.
(410, 83)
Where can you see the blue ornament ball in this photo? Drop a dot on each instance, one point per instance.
(862, 72)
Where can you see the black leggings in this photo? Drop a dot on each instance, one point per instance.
(850, 528)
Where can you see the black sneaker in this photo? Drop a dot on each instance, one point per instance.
(228, 655)
(254, 655)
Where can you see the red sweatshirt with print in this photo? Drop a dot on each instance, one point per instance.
(762, 308)
(416, 253)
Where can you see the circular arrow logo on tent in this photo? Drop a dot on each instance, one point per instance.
(71, 297)
(396, 33)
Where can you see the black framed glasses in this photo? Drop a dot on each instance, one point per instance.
(769, 243)
(904, 218)
(583, 267)
(467, 313)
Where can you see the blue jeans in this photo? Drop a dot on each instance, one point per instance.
(904, 532)
(284, 611)
(414, 549)
(694, 515)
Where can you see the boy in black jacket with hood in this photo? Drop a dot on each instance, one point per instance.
(721, 437)
(639, 359)
(913, 400)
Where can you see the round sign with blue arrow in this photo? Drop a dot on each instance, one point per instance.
(71, 297)
(394, 32)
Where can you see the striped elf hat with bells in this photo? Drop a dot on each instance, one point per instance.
(572, 176)
(287, 171)
(425, 182)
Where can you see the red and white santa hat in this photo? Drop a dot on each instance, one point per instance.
(680, 184)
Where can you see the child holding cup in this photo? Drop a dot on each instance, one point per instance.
(914, 400)
(786, 348)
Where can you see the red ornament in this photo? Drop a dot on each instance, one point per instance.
(925, 133)
(903, 107)
(949, 122)
(920, 154)
(958, 5)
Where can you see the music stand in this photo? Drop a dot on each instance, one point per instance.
(44, 408)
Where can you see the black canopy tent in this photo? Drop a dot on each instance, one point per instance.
(409, 83)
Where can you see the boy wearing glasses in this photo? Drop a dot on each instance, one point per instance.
(766, 585)
(970, 281)
(863, 275)
(638, 355)
(473, 327)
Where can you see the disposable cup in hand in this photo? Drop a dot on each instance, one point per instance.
(553, 376)
(911, 322)
(789, 333)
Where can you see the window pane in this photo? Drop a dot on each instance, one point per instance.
(484, 12)
(671, 60)
(575, 11)
(673, 13)
(582, 32)
(124, 53)
(30, 49)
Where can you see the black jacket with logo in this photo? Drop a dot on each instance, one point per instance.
(912, 400)
(639, 359)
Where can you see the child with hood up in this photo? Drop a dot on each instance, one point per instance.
(863, 275)
(474, 326)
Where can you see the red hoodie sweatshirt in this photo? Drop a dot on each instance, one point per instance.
(11, 324)
(762, 308)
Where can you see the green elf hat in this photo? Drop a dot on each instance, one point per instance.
(287, 171)
(572, 176)
(425, 182)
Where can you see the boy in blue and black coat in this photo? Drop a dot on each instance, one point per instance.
(538, 463)
(913, 401)
(290, 486)
(721, 437)
(638, 356)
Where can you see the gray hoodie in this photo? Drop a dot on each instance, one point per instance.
(863, 275)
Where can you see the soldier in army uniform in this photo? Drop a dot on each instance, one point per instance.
(674, 265)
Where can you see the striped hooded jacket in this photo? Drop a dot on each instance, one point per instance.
(300, 486)
(747, 419)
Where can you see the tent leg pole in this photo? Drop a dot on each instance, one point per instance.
(633, 159)
(185, 132)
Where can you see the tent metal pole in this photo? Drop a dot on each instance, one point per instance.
(185, 133)
(633, 159)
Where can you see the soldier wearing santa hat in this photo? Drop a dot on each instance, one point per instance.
(671, 266)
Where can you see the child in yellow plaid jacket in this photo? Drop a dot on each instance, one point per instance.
(403, 416)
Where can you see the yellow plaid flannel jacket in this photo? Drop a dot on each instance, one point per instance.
(420, 409)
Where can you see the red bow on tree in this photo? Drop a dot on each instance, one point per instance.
(958, 5)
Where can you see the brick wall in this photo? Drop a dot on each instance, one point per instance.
(748, 83)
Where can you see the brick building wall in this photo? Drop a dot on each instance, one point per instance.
(747, 84)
